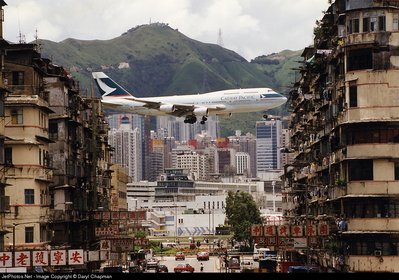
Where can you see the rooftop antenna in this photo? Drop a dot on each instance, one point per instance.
(21, 37)
(38, 45)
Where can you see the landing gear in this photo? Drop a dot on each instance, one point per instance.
(204, 119)
(190, 119)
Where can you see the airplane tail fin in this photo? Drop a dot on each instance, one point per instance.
(107, 86)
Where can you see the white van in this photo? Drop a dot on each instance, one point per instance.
(259, 253)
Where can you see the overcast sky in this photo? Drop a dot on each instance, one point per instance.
(248, 27)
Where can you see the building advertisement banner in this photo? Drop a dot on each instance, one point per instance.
(122, 244)
(318, 229)
(57, 257)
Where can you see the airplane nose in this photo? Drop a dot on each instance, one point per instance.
(283, 99)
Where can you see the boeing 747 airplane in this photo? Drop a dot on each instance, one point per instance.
(189, 106)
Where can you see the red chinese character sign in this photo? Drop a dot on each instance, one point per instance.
(115, 215)
(40, 258)
(22, 258)
(58, 257)
(296, 230)
(106, 215)
(283, 230)
(75, 257)
(105, 244)
(323, 229)
(269, 230)
(310, 230)
(123, 215)
(5, 259)
(97, 216)
(256, 230)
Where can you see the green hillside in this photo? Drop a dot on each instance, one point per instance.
(157, 60)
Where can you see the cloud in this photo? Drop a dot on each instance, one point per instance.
(249, 27)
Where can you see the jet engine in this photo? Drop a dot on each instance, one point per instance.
(167, 108)
(201, 111)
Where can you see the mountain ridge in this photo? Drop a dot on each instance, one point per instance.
(157, 60)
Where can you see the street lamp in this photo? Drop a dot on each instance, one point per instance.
(274, 196)
(175, 222)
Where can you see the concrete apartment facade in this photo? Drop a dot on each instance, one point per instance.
(345, 133)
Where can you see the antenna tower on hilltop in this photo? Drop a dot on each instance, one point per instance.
(220, 40)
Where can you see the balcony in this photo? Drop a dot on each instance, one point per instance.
(383, 150)
(60, 216)
(373, 263)
(373, 187)
(372, 225)
(368, 38)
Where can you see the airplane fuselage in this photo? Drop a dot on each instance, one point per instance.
(218, 102)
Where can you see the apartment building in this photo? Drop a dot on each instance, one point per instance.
(28, 162)
(127, 144)
(345, 133)
(4, 200)
(195, 162)
(119, 182)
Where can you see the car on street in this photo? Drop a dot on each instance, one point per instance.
(234, 263)
(203, 256)
(247, 266)
(152, 263)
(180, 256)
(161, 268)
(181, 267)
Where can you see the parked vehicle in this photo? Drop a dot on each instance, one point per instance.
(113, 269)
(152, 263)
(247, 266)
(203, 256)
(259, 253)
(161, 268)
(180, 256)
(302, 269)
(181, 267)
(234, 263)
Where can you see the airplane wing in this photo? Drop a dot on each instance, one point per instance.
(110, 104)
(179, 110)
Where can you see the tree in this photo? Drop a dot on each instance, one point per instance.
(242, 213)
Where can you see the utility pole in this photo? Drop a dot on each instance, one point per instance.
(13, 244)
